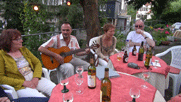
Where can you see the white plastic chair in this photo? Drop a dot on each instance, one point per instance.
(176, 63)
(12, 94)
(93, 52)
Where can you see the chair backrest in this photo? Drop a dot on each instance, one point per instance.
(176, 56)
(91, 42)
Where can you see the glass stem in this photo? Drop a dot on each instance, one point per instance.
(65, 87)
(133, 100)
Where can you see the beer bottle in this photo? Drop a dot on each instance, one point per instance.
(141, 52)
(125, 57)
(148, 57)
(105, 92)
(134, 51)
(91, 81)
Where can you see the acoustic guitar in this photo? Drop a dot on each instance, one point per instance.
(64, 51)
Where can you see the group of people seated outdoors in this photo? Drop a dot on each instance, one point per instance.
(22, 70)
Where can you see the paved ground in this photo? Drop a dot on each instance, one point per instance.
(158, 49)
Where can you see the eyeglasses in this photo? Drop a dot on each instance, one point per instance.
(18, 39)
(138, 26)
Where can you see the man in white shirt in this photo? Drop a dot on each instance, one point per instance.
(64, 39)
(139, 35)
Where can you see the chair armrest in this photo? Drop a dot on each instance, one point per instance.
(10, 91)
(163, 53)
(8, 87)
(45, 72)
(116, 50)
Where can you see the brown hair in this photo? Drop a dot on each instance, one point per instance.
(6, 38)
(107, 26)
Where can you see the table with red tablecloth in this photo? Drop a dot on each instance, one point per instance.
(159, 76)
(119, 93)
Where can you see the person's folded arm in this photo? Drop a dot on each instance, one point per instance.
(35, 64)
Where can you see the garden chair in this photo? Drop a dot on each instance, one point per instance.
(175, 67)
(10, 91)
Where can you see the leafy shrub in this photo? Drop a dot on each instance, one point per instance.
(121, 39)
(159, 26)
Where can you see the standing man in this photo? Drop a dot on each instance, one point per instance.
(64, 39)
(139, 35)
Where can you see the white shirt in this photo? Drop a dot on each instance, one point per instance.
(137, 38)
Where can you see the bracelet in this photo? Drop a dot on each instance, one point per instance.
(146, 37)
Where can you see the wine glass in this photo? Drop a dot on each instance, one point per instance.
(64, 82)
(156, 62)
(68, 97)
(134, 93)
(79, 81)
(79, 70)
(146, 76)
(119, 56)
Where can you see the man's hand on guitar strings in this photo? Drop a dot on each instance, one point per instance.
(59, 59)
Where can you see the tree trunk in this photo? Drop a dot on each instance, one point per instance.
(91, 20)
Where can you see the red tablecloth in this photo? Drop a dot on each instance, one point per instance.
(123, 67)
(120, 90)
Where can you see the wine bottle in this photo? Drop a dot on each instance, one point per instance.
(134, 51)
(148, 57)
(105, 92)
(141, 52)
(91, 74)
(125, 57)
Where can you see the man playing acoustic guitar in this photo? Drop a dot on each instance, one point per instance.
(58, 41)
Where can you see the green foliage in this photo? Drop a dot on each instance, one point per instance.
(75, 16)
(12, 12)
(121, 39)
(160, 36)
(131, 11)
(159, 26)
(158, 5)
(34, 22)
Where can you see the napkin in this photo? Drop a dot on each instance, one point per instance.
(158, 64)
(101, 70)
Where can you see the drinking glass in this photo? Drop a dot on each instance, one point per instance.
(156, 62)
(145, 76)
(134, 93)
(68, 97)
(119, 56)
(79, 81)
(79, 70)
(64, 82)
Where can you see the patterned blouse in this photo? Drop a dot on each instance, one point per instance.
(105, 52)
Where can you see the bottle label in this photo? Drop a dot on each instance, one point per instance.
(126, 59)
(134, 52)
(100, 96)
(91, 81)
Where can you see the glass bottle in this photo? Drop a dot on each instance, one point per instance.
(141, 52)
(134, 51)
(125, 57)
(148, 57)
(91, 81)
(105, 92)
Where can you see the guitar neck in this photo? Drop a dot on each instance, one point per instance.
(74, 51)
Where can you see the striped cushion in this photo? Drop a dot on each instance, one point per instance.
(174, 70)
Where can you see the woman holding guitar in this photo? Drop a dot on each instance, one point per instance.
(107, 44)
(62, 43)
